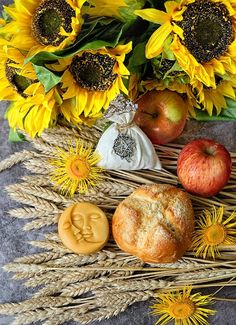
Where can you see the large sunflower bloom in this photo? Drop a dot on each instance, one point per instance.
(214, 98)
(203, 36)
(92, 79)
(13, 81)
(46, 25)
(34, 113)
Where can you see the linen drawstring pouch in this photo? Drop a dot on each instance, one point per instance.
(124, 145)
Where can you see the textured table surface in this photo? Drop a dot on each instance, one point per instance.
(13, 241)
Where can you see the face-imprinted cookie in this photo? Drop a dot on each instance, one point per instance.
(83, 228)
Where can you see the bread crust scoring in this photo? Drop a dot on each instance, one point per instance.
(154, 223)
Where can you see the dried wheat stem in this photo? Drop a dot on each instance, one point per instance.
(38, 166)
(44, 193)
(79, 260)
(42, 222)
(115, 304)
(15, 159)
(27, 213)
(50, 245)
(39, 258)
(77, 289)
(66, 279)
(39, 180)
(209, 274)
(13, 308)
(52, 236)
(38, 203)
(63, 315)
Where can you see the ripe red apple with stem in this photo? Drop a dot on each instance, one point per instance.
(161, 115)
(204, 167)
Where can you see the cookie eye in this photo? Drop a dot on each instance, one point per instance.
(94, 216)
(77, 217)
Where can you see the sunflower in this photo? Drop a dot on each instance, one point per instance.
(214, 98)
(213, 229)
(92, 79)
(182, 307)
(12, 81)
(75, 169)
(36, 112)
(202, 34)
(46, 25)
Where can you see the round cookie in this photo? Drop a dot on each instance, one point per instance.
(83, 228)
(154, 223)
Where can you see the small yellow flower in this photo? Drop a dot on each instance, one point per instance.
(75, 169)
(182, 307)
(213, 230)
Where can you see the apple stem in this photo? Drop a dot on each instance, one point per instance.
(153, 115)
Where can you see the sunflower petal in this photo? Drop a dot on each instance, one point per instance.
(156, 41)
(153, 15)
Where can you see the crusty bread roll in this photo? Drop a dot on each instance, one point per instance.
(154, 223)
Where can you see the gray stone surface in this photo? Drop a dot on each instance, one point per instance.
(13, 241)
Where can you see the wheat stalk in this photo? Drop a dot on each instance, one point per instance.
(39, 258)
(79, 260)
(32, 304)
(28, 199)
(77, 289)
(39, 180)
(63, 315)
(27, 213)
(66, 279)
(44, 193)
(52, 237)
(38, 166)
(50, 245)
(16, 158)
(42, 222)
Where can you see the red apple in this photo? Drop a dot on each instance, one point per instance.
(161, 115)
(204, 167)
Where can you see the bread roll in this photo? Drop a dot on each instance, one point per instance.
(154, 223)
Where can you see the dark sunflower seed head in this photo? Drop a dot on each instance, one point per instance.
(18, 82)
(208, 29)
(48, 18)
(93, 71)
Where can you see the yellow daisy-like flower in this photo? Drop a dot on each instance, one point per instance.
(203, 36)
(75, 169)
(13, 81)
(213, 230)
(210, 98)
(36, 112)
(182, 307)
(46, 25)
(92, 79)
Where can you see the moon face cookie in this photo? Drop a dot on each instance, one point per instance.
(83, 228)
